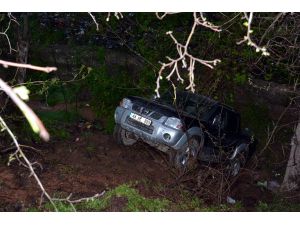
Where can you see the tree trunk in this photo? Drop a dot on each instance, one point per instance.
(23, 47)
(291, 181)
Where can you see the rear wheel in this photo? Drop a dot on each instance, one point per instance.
(237, 163)
(124, 137)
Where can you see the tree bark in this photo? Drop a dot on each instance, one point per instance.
(23, 47)
(291, 181)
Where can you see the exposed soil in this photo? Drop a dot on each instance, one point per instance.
(83, 167)
(90, 162)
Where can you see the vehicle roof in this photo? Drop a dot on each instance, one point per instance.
(202, 97)
(208, 99)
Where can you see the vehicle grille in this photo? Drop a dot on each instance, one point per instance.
(136, 107)
(140, 126)
(156, 115)
(145, 111)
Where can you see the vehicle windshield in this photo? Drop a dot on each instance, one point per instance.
(187, 102)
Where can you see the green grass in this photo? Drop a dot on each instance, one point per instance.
(278, 205)
(189, 202)
(135, 202)
(61, 207)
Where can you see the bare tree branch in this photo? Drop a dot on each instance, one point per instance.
(118, 15)
(279, 15)
(11, 19)
(28, 66)
(94, 19)
(160, 17)
(184, 58)
(248, 39)
(29, 114)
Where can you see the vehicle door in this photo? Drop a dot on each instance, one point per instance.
(215, 132)
(231, 128)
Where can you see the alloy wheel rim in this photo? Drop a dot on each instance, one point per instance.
(236, 168)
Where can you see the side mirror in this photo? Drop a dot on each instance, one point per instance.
(247, 131)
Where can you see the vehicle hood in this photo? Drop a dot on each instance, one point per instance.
(165, 110)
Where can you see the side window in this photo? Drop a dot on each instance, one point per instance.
(232, 122)
(218, 119)
(225, 121)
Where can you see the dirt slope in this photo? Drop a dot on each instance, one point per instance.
(83, 167)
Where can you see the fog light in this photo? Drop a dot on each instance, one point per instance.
(167, 136)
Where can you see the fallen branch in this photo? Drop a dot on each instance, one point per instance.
(72, 202)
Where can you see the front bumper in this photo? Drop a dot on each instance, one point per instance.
(155, 133)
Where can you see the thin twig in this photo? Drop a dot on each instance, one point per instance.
(248, 38)
(28, 163)
(72, 202)
(276, 126)
(11, 18)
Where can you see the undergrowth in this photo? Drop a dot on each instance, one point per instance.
(278, 205)
(135, 202)
(56, 123)
(132, 201)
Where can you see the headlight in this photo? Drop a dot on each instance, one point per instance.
(125, 103)
(174, 123)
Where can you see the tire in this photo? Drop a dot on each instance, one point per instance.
(122, 136)
(237, 163)
(186, 158)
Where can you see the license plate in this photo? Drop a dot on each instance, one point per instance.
(140, 119)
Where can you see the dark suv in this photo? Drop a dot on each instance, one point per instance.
(189, 127)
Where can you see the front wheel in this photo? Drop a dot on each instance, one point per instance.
(186, 158)
(124, 137)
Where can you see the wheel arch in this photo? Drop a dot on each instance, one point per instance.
(241, 147)
(196, 132)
